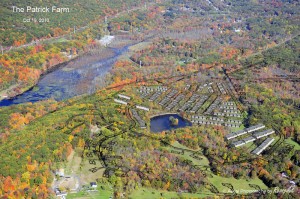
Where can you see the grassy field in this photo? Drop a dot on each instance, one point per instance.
(187, 154)
(104, 191)
(237, 184)
(234, 129)
(292, 142)
(177, 144)
(148, 193)
(73, 164)
(139, 46)
(81, 167)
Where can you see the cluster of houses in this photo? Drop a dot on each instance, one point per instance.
(201, 119)
(214, 105)
(221, 88)
(232, 125)
(230, 121)
(146, 91)
(206, 85)
(218, 121)
(187, 87)
(171, 99)
(156, 95)
(253, 134)
(189, 103)
(228, 109)
(199, 104)
(175, 102)
(168, 98)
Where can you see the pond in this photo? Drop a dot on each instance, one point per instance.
(69, 81)
(162, 123)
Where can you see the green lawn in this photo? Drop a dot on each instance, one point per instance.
(292, 142)
(104, 193)
(187, 154)
(177, 144)
(237, 128)
(216, 180)
(237, 184)
(203, 162)
(148, 193)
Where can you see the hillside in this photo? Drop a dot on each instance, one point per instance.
(16, 32)
(190, 99)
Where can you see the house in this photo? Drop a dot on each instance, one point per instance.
(62, 194)
(93, 184)
(284, 175)
(60, 173)
(237, 30)
(59, 193)
(292, 182)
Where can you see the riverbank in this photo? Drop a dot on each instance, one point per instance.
(18, 89)
(84, 74)
(92, 55)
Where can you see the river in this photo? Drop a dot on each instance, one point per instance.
(69, 81)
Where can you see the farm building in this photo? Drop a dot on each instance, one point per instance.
(263, 133)
(255, 128)
(120, 101)
(263, 146)
(235, 134)
(238, 143)
(124, 96)
(142, 108)
(249, 139)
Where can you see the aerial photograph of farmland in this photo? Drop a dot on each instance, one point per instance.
(149, 99)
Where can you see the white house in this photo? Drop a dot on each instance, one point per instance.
(93, 184)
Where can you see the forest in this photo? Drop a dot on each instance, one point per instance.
(16, 32)
(254, 44)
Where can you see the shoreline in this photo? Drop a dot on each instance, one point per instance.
(11, 93)
(6, 96)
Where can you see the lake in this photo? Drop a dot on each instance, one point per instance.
(162, 123)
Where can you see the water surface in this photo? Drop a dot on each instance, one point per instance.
(162, 123)
(69, 81)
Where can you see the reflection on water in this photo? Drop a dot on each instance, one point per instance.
(69, 81)
(162, 123)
